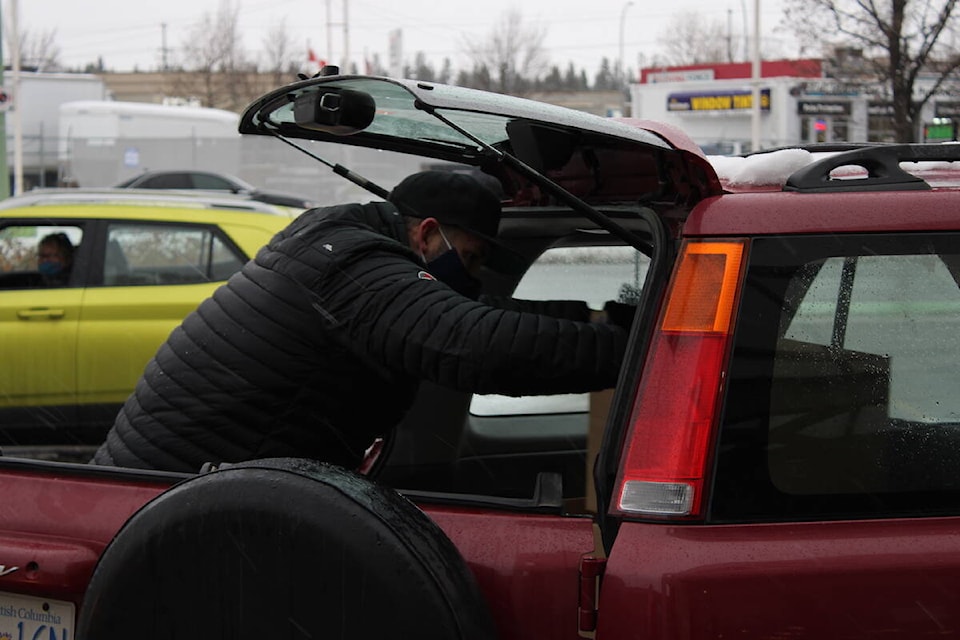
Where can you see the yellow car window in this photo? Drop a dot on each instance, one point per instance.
(38, 255)
(151, 254)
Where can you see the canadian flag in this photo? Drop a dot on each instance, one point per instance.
(312, 57)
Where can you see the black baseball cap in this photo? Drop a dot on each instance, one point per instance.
(458, 200)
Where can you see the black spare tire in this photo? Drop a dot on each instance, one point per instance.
(281, 548)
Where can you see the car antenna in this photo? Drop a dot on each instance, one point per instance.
(338, 169)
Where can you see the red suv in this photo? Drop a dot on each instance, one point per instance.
(778, 460)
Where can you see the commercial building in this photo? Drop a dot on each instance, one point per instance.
(713, 103)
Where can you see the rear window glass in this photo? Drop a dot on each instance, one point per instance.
(843, 394)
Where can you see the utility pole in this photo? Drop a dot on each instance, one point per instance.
(329, 56)
(345, 67)
(345, 59)
(163, 47)
(17, 102)
(746, 38)
(729, 35)
(755, 80)
(621, 77)
(4, 170)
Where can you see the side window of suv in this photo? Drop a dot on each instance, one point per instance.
(842, 401)
(146, 254)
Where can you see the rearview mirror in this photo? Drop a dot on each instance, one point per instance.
(340, 112)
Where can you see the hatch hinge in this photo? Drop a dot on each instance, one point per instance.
(591, 571)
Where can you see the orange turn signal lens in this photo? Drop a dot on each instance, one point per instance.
(705, 284)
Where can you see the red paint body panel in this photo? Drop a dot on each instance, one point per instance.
(866, 579)
(61, 522)
(793, 213)
(527, 566)
(53, 526)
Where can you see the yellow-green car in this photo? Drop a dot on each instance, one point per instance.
(74, 341)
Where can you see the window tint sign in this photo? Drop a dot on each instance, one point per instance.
(717, 100)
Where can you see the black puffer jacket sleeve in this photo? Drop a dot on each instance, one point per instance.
(387, 310)
(567, 309)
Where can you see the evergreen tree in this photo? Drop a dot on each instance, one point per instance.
(553, 81)
(606, 79)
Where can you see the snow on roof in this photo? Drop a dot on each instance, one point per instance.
(771, 169)
(762, 169)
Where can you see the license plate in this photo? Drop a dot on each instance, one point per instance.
(29, 618)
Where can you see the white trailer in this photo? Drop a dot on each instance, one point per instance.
(111, 121)
(104, 142)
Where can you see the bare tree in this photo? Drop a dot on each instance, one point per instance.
(892, 42)
(39, 50)
(512, 52)
(280, 61)
(214, 53)
(690, 39)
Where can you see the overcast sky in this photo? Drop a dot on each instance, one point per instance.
(129, 34)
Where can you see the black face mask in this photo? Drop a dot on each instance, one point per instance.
(448, 268)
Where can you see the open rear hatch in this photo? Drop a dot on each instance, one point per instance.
(550, 162)
(542, 155)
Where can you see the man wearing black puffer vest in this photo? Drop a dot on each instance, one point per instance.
(317, 346)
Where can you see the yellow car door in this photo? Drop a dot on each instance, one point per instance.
(38, 347)
(122, 329)
(39, 317)
(153, 276)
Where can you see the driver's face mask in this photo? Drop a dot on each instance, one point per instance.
(50, 268)
(449, 269)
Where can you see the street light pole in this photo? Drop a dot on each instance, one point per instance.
(4, 169)
(756, 73)
(620, 70)
(17, 101)
(345, 68)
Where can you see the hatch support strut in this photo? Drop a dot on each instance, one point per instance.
(338, 169)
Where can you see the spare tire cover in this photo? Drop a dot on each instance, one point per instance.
(281, 548)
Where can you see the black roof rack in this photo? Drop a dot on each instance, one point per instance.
(818, 147)
(882, 164)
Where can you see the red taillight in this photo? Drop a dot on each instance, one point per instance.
(675, 414)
